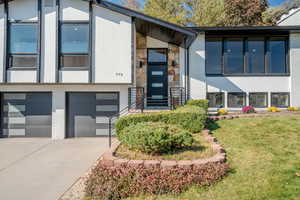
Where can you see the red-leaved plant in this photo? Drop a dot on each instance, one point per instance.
(115, 183)
(248, 109)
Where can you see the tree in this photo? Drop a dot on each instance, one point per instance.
(173, 11)
(245, 12)
(132, 4)
(206, 12)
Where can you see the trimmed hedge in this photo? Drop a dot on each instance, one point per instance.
(202, 103)
(190, 118)
(155, 138)
(122, 182)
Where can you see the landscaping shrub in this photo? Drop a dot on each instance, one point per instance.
(115, 183)
(293, 109)
(202, 103)
(155, 138)
(222, 112)
(248, 109)
(191, 118)
(273, 109)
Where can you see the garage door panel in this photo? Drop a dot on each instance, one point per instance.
(88, 113)
(26, 114)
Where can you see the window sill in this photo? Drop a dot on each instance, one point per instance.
(74, 69)
(21, 68)
(246, 75)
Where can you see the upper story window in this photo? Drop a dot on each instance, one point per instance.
(74, 45)
(23, 45)
(246, 55)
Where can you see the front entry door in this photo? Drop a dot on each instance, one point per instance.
(157, 74)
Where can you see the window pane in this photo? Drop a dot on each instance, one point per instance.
(75, 60)
(234, 58)
(74, 38)
(256, 56)
(213, 56)
(236, 100)
(216, 100)
(258, 100)
(277, 56)
(280, 99)
(157, 55)
(23, 38)
(23, 61)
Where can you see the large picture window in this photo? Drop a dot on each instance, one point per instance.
(23, 45)
(74, 45)
(246, 55)
(233, 53)
(214, 49)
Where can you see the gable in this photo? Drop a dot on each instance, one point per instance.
(291, 19)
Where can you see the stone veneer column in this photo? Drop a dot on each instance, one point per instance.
(58, 115)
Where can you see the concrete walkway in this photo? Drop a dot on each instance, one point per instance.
(42, 169)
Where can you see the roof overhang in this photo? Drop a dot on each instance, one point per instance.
(247, 30)
(154, 27)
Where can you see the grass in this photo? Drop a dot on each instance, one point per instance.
(264, 154)
(200, 149)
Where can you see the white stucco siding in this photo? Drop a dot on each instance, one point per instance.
(2, 45)
(74, 76)
(292, 19)
(112, 36)
(23, 10)
(74, 10)
(295, 68)
(20, 76)
(59, 99)
(248, 84)
(49, 36)
(197, 68)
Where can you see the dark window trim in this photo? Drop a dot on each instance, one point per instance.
(245, 39)
(265, 93)
(245, 99)
(223, 98)
(222, 52)
(281, 93)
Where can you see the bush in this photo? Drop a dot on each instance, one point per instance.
(273, 109)
(202, 103)
(155, 138)
(122, 182)
(248, 109)
(191, 118)
(293, 109)
(222, 112)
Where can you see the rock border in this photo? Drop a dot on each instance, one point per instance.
(110, 160)
(252, 115)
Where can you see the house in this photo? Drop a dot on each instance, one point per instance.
(67, 65)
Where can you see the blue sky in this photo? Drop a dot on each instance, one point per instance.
(272, 2)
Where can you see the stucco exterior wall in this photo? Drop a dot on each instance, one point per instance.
(295, 68)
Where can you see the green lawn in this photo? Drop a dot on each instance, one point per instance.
(264, 154)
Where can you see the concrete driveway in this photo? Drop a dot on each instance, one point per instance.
(42, 169)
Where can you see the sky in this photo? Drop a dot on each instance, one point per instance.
(272, 2)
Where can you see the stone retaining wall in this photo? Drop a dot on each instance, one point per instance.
(110, 160)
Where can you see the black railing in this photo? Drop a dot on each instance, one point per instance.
(177, 96)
